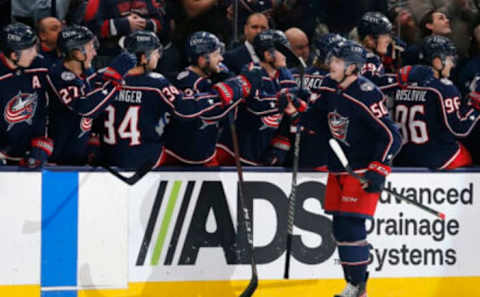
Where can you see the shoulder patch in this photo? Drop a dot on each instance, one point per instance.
(182, 75)
(67, 76)
(155, 75)
(446, 81)
(367, 87)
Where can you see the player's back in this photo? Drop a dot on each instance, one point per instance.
(134, 122)
(429, 113)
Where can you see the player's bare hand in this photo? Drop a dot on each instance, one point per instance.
(136, 22)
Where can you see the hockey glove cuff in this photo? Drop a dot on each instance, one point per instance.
(276, 155)
(120, 65)
(42, 148)
(376, 174)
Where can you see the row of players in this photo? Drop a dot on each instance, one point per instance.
(139, 116)
(142, 117)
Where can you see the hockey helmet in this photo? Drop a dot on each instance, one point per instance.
(373, 23)
(16, 37)
(437, 46)
(74, 38)
(202, 43)
(141, 42)
(324, 45)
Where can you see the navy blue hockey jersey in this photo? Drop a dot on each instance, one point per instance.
(431, 116)
(314, 140)
(23, 104)
(137, 118)
(357, 118)
(75, 102)
(194, 141)
(258, 119)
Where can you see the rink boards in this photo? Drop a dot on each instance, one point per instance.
(177, 233)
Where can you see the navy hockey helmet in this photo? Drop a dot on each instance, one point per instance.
(74, 38)
(324, 45)
(280, 37)
(373, 23)
(437, 46)
(352, 53)
(202, 43)
(16, 37)
(264, 41)
(141, 42)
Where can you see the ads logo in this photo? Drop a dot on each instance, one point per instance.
(212, 200)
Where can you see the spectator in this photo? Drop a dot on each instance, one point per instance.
(111, 19)
(299, 43)
(433, 22)
(68, 11)
(48, 29)
(462, 14)
(236, 58)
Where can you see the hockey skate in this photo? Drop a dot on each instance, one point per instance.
(353, 291)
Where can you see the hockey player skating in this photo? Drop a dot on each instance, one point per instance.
(23, 103)
(352, 106)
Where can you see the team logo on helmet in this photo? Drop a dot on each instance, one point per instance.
(21, 108)
(338, 126)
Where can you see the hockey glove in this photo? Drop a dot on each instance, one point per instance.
(120, 65)
(254, 79)
(376, 174)
(474, 98)
(276, 155)
(42, 148)
(229, 91)
(290, 103)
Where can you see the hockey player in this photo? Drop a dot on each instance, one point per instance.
(313, 152)
(79, 94)
(352, 106)
(23, 100)
(374, 32)
(259, 140)
(199, 136)
(138, 116)
(429, 109)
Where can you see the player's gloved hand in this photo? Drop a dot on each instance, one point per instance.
(120, 66)
(277, 153)
(289, 102)
(410, 74)
(375, 176)
(230, 90)
(474, 99)
(42, 148)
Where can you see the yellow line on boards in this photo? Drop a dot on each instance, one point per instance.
(385, 287)
(20, 291)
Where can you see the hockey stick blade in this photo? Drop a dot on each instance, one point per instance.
(132, 179)
(251, 288)
(337, 149)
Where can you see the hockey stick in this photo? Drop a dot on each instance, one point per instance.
(139, 173)
(343, 159)
(247, 220)
(235, 22)
(296, 154)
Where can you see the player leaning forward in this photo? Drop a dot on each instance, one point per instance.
(354, 110)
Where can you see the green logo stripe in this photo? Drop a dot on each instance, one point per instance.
(166, 222)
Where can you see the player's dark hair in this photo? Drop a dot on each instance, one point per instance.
(427, 19)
